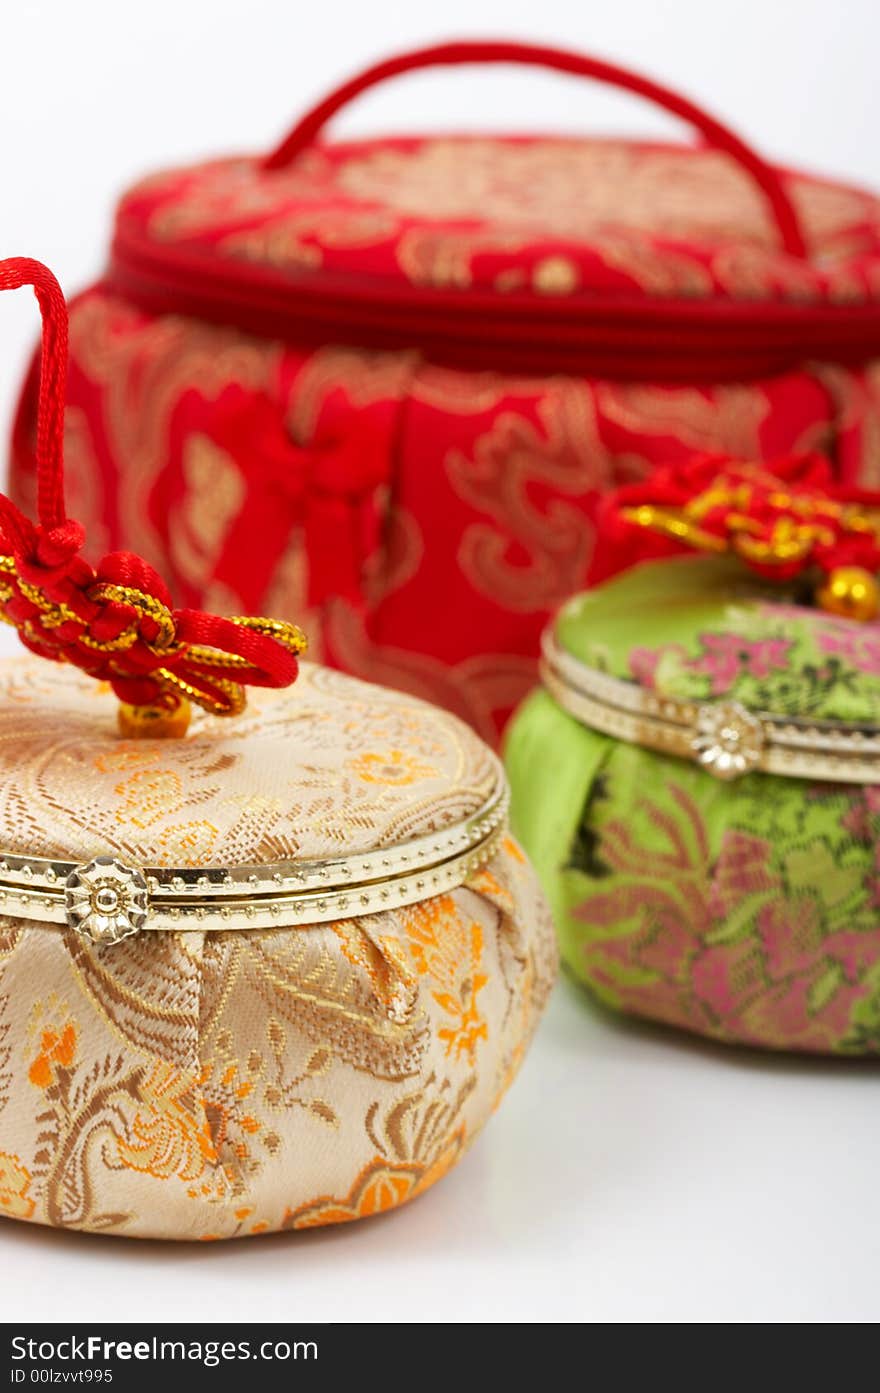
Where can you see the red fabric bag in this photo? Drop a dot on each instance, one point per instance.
(379, 386)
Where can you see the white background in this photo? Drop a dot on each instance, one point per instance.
(631, 1175)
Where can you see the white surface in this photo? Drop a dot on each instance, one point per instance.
(630, 1174)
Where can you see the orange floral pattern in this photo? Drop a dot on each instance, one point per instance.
(416, 1151)
(57, 1050)
(448, 950)
(15, 1182)
(169, 1135)
(379, 1187)
(390, 767)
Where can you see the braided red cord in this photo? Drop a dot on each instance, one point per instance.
(115, 621)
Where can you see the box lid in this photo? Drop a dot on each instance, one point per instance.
(695, 656)
(549, 216)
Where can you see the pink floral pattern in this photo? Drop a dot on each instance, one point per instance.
(858, 645)
(726, 657)
(786, 658)
(769, 939)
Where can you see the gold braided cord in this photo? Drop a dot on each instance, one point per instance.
(290, 635)
(52, 614)
(205, 656)
(287, 634)
(673, 524)
(235, 694)
(790, 538)
(146, 605)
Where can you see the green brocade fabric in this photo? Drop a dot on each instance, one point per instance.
(747, 911)
(700, 628)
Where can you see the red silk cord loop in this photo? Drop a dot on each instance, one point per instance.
(115, 621)
(720, 137)
(15, 272)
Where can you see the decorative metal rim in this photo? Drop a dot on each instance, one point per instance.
(724, 737)
(280, 895)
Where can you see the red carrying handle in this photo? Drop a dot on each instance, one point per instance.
(490, 51)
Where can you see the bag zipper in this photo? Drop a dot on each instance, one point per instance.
(625, 337)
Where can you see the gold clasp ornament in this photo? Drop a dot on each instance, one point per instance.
(729, 740)
(106, 901)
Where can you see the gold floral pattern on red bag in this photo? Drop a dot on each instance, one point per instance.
(139, 372)
(213, 497)
(574, 187)
(628, 204)
(300, 240)
(724, 418)
(856, 398)
(531, 557)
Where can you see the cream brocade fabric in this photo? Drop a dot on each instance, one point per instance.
(331, 767)
(211, 1085)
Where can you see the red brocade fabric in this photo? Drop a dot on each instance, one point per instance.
(551, 216)
(381, 389)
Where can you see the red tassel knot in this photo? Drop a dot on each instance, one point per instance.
(116, 622)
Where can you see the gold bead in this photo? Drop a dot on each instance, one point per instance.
(852, 593)
(154, 722)
(555, 275)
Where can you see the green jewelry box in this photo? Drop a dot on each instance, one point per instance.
(698, 784)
